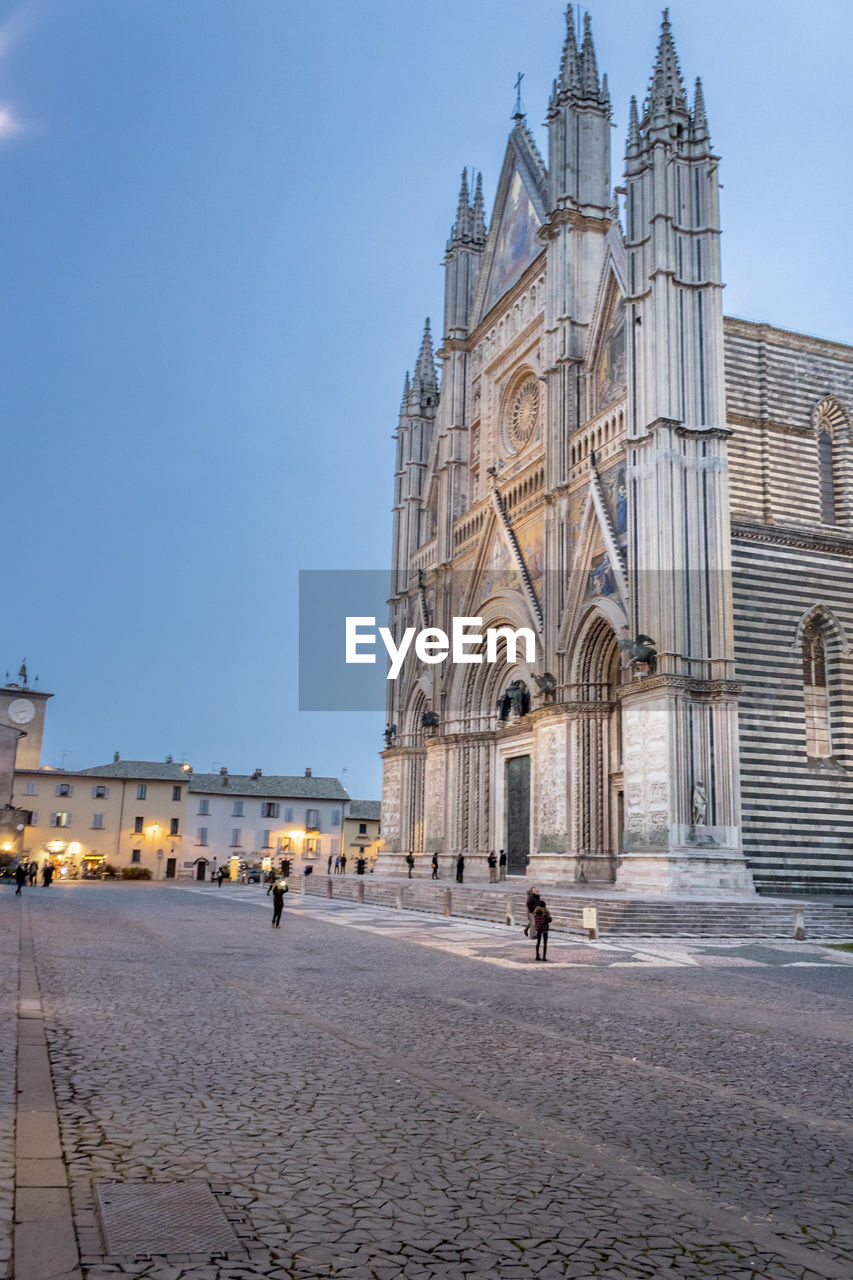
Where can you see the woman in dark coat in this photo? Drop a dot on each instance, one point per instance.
(460, 869)
(278, 890)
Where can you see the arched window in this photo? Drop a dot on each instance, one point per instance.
(826, 460)
(816, 694)
(834, 440)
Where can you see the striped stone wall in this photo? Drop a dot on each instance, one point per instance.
(797, 812)
(774, 383)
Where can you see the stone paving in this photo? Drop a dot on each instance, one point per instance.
(8, 1049)
(370, 1098)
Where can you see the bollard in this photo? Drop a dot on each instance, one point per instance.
(799, 924)
(359, 891)
(398, 899)
(329, 887)
(447, 908)
(590, 922)
(510, 913)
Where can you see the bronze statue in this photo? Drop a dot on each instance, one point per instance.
(641, 650)
(515, 700)
(547, 686)
(430, 721)
(390, 735)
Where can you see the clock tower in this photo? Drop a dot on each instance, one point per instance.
(23, 707)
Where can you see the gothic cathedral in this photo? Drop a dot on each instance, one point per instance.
(661, 494)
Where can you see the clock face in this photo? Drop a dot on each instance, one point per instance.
(21, 711)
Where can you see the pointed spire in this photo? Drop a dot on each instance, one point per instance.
(666, 88)
(568, 78)
(588, 68)
(407, 386)
(478, 213)
(633, 146)
(462, 226)
(700, 120)
(424, 378)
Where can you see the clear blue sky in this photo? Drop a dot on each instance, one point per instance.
(221, 228)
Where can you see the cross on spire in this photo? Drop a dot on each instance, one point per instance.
(518, 114)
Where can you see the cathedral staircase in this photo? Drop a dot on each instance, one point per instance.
(618, 915)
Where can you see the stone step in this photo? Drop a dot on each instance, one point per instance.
(629, 918)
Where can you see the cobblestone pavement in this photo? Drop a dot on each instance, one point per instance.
(371, 1098)
(8, 1048)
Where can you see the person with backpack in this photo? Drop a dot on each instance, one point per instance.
(541, 921)
(278, 889)
(532, 904)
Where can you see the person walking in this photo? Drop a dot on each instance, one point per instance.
(343, 864)
(532, 903)
(541, 921)
(329, 865)
(435, 866)
(33, 871)
(46, 874)
(502, 865)
(278, 890)
(493, 867)
(220, 876)
(460, 869)
(410, 863)
(20, 878)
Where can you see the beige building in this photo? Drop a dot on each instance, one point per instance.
(126, 814)
(362, 832)
(22, 706)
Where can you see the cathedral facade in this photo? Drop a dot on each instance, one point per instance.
(662, 495)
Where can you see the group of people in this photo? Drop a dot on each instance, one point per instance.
(496, 865)
(27, 873)
(339, 863)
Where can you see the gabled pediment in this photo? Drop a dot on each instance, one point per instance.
(606, 354)
(598, 570)
(519, 211)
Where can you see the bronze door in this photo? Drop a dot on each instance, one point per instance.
(517, 815)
